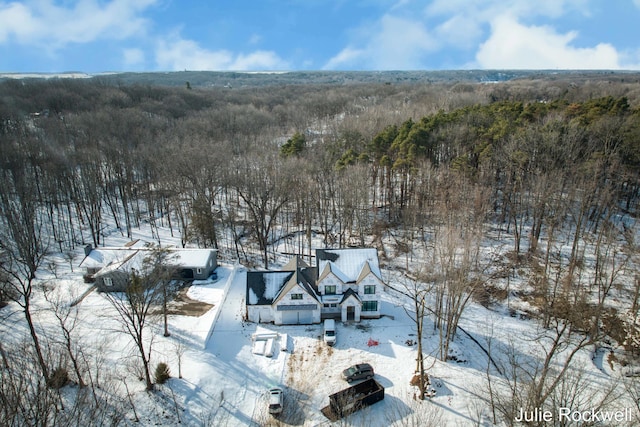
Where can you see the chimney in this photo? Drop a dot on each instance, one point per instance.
(88, 249)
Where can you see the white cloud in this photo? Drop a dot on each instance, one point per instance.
(44, 23)
(16, 20)
(464, 23)
(258, 60)
(132, 57)
(394, 43)
(513, 45)
(484, 10)
(459, 31)
(181, 54)
(630, 59)
(346, 56)
(637, 3)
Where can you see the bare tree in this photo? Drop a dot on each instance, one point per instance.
(265, 184)
(419, 290)
(550, 381)
(144, 290)
(25, 398)
(68, 319)
(454, 257)
(22, 249)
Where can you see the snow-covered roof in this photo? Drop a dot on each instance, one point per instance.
(178, 257)
(101, 257)
(133, 261)
(349, 262)
(263, 286)
(190, 257)
(331, 267)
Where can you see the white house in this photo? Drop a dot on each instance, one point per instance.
(345, 283)
(349, 282)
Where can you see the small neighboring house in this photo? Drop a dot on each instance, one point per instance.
(345, 283)
(111, 268)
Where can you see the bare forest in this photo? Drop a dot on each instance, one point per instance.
(427, 173)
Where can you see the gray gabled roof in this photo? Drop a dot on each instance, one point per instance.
(267, 287)
(350, 293)
(349, 262)
(264, 286)
(299, 278)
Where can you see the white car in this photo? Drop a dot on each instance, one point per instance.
(329, 332)
(276, 400)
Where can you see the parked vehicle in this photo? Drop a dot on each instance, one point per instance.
(353, 399)
(358, 372)
(329, 334)
(276, 401)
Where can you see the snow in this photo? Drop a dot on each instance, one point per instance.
(191, 257)
(273, 283)
(350, 262)
(344, 278)
(101, 257)
(134, 260)
(253, 298)
(224, 382)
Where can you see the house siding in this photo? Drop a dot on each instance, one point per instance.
(119, 281)
(308, 304)
(331, 280)
(202, 272)
(348, 271)
(260, 313)
(370, 280)
(98, 260)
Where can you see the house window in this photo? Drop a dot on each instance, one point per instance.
(370, 306)
(108, 281)
(369, 289)
(330, 290)
(296, 296)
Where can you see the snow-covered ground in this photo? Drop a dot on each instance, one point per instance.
(224, 383)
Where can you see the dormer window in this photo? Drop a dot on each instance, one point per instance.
(330, 290)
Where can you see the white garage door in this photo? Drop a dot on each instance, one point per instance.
(302, 317)
(290, 317)
(305, 317)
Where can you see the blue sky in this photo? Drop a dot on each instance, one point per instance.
(253, 35)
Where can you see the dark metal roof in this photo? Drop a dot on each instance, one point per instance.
(348, 293)
(263, 285)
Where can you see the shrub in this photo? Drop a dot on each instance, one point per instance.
(162, 373)
(59, 378)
